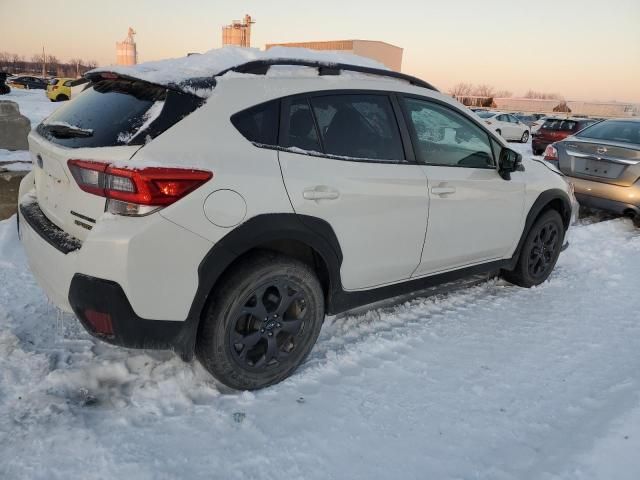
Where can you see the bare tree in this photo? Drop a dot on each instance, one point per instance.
(461, 89)
(503, 94)
(91, 64)
(484, 90)
(542, 95)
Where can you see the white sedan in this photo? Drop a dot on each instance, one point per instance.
(506, 125)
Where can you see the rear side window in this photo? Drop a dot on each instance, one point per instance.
(259, 124)
(358, 126)
(117, 112)
(301, 130)
(559, 125)
(615, 130)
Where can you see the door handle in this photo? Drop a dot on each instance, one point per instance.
(443, 190)
(320, 192)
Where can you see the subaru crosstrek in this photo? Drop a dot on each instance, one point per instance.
(225, 216)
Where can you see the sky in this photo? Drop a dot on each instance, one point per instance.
(581, 49)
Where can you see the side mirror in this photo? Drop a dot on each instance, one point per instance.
(510, 161)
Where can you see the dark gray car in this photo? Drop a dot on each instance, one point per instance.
(603, 161)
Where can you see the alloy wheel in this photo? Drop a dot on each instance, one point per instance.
(269, 325)
(544, 249)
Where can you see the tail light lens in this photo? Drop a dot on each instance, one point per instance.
(136, 191)
(99, 322)
(551, 153)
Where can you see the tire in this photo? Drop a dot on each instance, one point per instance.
(262, 323)
(61, 98)
(539, 252)
(537, 151)
(525, 137)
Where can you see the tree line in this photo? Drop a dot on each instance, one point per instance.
(463, 89)
(16, 64)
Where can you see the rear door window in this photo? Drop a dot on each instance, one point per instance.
(301, 130)
(359, 126)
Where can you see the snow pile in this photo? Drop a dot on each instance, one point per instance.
(177, 70)
(492, 382)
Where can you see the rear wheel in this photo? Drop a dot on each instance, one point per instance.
(61, 98)
(525, 137)
(537, 151)
(540, 251)
(262, 323)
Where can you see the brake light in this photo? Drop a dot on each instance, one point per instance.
(151, 187)
(551, 153)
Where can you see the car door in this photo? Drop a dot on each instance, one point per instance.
(504, 126)
(475, 216)
(518, 127)
(344, 162)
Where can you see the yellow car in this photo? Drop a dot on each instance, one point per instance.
(59, 89)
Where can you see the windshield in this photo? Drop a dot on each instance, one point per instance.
(485, 114)
(614, 130)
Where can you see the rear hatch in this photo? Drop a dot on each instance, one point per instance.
(109, 122)
(554, 130)
(609, 162)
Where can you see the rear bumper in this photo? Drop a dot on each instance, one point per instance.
(105, 312)
(605, 196)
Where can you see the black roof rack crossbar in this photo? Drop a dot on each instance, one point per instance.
(261, 67)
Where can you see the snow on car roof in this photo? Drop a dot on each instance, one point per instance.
(180, 70)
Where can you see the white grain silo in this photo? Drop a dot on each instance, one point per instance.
(126, 53)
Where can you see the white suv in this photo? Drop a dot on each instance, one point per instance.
(228, 226)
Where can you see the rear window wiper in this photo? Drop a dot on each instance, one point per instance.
(64, 130)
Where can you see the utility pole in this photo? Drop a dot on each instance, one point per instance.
(44, 63)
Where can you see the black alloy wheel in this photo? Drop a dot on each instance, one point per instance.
(263, 320)
(267, 324)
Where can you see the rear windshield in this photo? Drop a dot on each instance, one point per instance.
(114, 113)
(485, 114)
(559, 125)
(614, 130)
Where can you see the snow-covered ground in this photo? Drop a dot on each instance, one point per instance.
(492, 382)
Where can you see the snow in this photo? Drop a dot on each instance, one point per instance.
(33, 104)
(490, 382)
(147, 119)
(177, 70)
(19, 160)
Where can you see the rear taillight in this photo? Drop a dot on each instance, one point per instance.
(551, 153)
(129, 189)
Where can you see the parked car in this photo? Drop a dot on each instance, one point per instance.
(230, 226)
(58, 89)
(535, 126)
(27, 82)
(506, 125)
(61, 89)
(4, 88)
(555, 129)
(528, 120)
(603, 163)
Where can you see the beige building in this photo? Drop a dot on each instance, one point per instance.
(385, 53)
(126, 53)
(238, 33)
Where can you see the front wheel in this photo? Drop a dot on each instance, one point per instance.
(539, 252)
(525, 137)
(262, 323)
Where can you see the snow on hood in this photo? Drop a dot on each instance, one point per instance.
(178, 70)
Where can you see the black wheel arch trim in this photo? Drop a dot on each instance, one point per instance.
(544, 201)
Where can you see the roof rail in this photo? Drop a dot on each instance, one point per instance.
(261, 67)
